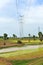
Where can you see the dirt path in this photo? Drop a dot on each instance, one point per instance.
(20, 48)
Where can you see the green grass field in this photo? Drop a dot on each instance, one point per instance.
(25, 57)
(32, 41)
(13, 42)
(36, 61)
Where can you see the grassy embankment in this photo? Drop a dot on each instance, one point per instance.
(25, 57)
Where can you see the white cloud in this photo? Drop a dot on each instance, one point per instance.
(7, 20)
(34, 15)
(33, 1)
(3, 3)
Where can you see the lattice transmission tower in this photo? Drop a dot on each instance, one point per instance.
(20, 19)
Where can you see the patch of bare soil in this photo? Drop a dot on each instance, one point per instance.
(3, 61)
(8, 44)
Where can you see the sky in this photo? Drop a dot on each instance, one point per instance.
(31, 12)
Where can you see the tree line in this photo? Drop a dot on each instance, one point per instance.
(5, 36)
(40, 36)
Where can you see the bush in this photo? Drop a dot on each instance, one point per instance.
(19, 42)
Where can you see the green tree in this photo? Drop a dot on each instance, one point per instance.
(5, 36)
(29, 37)
(34, 37)
(40, 36)
(14, 36)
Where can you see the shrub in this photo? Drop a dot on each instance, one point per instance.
(19, 42)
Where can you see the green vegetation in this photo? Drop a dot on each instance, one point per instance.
(5, 36)
(25, 57)
(36, 61)
(14, 36)
(22, 57)
(13, 41)
(20, 62)
(40, 36)
(19, 42)
(16, 53)
(34, 37)
(22, 52)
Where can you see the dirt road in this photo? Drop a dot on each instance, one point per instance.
(20, 48)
